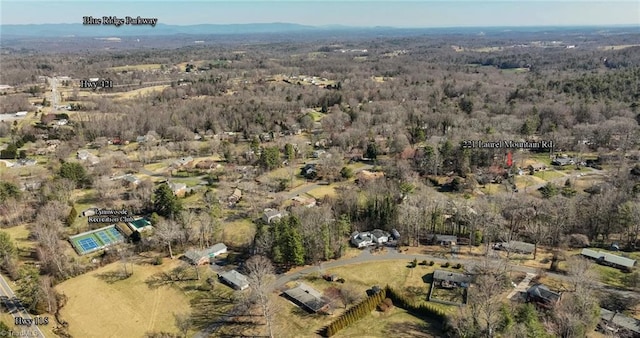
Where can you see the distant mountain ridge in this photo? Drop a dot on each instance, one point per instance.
(80, 30)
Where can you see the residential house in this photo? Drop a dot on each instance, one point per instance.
(361, 239)
(515, 246)
(89, 212)
(202, 257)
(235, 197)
(446, 240)
(536, 167)
(234, 279)
(130, 179)
(379, 236)
(606, 258)
(84, 155)
(309, 171)
(623, 325)
(450, 280)
(563, 161)
(183, 162)
(141, 139)
(318, 153)
(542, 296)
(271, 215)
(304, 201)
(364, 239)
(25, 162)
(307, 297)
(179, 189)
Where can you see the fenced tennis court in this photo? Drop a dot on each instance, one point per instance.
(95, 240)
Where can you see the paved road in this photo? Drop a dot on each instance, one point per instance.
(14, 307)
(392, 254)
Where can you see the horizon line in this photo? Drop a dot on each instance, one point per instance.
(353, 26)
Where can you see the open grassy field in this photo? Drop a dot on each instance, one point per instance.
(139, 92)
(492, 189)
(394, 323)
(515, 70)
(526, 181)
(19, 236)
(322, 191)
(149, 66)
(316, 115)
(616, 47)
(549, 175)
(238, 233)
(125, 308)
(414, 282)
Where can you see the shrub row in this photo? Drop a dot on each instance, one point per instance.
(355, 313)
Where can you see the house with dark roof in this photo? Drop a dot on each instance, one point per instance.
(202, 257)
(606, 258)
(563, 161)
(446, 240)
(515, 246)
(234, 279)
(307, 297)
(450, 280)
(543, 296)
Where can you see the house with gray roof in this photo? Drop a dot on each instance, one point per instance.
(234, 279)
(516, 247)
(202, 257)
(307, 297)
(271, 215)
(448, 279)
(621, 323)
(445, 240)
(606, 258)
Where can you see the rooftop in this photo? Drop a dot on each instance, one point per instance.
(609, 258)
(307, 296)
(451, 276)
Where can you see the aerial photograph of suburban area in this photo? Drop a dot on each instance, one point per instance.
(302, 169)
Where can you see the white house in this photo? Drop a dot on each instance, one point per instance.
(271, 215)
(21, 113)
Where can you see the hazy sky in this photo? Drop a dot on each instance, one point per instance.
(443, 13)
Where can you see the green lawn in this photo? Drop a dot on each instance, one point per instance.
(317, 116)
(548, 175)
(611, 276)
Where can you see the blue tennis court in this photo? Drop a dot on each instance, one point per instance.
(116, 234)
(88, 244)
(104, 237)
(91, 241)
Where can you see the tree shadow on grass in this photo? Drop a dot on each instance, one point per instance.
(179, 274)
(113, 276)
(218, 310)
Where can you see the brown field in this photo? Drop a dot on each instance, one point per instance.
(395, 323)
(616, 47)
(238, 233)
(150, 66)
(322, 191)
(126, 308)
(293, 322)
